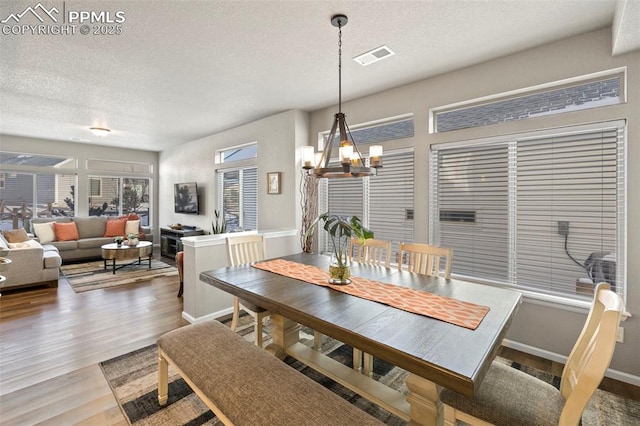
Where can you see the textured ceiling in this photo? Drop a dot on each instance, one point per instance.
(182, 70)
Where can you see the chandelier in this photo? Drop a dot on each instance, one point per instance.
(352, 164)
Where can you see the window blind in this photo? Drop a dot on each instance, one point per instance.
(250, 198)
(548, 208)
(238, 196)
(384, 203)
(391, 200)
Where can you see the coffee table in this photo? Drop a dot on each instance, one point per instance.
(115, 252)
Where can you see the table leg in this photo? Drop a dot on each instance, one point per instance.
(114, 266)
(285, 333)
(149, 261)
(105, 264)
(424, 400)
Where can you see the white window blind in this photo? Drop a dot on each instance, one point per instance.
(384, 203)
(549, 208)
(238, 196)
(391, 200)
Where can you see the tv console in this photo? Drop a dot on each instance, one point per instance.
(170, 242)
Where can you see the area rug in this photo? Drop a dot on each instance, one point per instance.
(92, 275)
(133, 379)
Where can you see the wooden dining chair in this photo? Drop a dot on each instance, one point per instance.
(240, 250)
(425, 259)
(508, 396)
(370, 251)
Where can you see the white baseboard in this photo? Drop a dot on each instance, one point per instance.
(614, 374)
(212, 316)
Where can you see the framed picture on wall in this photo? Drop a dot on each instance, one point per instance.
(273, 183)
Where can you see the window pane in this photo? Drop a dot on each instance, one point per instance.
(549, 210)
(231, 199)
(107, 202)
(250, 199)
(400, 129)
(239, 153)
(53, 197)
(476, 180)
(571, 179)
(589, 95)
(345, 198)
(119, 166)
(135, 198)
(391, 200)
(239, 189)
(31, 160)
(17, 199)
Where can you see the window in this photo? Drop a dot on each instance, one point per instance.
(563, 97)
(238, 198)
(95, 187)
(36, 160)
(549, 208)
(384, 203)
(388, 129)
(117, 196)
(244, 152)
(28, 195)
(119, 166)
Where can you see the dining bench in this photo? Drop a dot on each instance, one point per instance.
(246, 385)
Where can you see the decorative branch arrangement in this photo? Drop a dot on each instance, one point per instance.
(309, 204)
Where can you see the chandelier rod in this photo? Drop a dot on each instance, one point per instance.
(339, 65)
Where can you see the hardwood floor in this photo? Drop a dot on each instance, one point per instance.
(52, 339)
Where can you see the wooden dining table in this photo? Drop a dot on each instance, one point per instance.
(434, 352)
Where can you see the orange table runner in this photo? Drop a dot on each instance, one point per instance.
(464, 314)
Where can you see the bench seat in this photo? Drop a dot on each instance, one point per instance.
(245, 385)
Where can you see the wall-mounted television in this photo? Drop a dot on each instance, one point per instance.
(185, 196)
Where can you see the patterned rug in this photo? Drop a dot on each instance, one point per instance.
(133, 379)
(92, 275)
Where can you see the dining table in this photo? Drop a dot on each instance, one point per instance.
(436, 353)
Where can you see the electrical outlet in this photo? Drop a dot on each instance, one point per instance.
(620, 335)
(563, 227)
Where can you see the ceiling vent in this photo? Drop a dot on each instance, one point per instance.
(374, 55)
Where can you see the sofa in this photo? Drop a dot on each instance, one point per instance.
(31, 264)
(80, 238)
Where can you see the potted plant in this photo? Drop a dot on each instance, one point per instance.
(132, 239)
(341, 229)
(118, 241)
(219, 225)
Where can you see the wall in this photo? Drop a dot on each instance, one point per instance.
(547, 329)
(83, 152)
(206, 252)
(278, 138)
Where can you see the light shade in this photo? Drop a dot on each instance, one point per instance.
(308, 157)
(99, 131)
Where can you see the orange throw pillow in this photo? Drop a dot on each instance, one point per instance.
(115, 228)
(66, 231)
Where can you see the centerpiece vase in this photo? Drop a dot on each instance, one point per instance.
(339, 272)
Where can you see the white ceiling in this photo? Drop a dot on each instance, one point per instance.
(182, 70)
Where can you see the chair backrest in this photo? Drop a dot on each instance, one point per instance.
(371, 251)
(592, 353)
(425, 259)
(245, 249)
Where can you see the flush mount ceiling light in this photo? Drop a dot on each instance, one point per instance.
(352, 164)
(100, 131)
